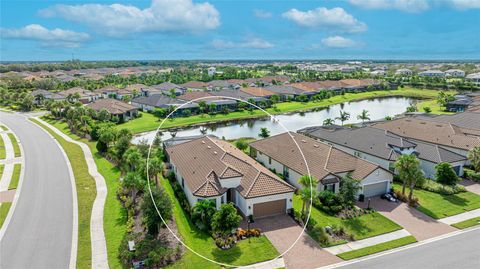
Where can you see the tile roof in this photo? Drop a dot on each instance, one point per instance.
(194, 84)
(204, 162)
(444, 134)
(284, 89)
(257, 91)
(189, 96)
(113, 106)
(322, 159)
(162, 101)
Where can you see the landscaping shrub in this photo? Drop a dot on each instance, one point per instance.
(436, 187)
(329, 202)
(320, 235)
(472, 175)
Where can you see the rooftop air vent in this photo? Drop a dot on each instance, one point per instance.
(215, 152)
(209, 147)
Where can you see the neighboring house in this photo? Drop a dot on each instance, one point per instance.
(107, 92)
(239, 95)
(378, 73)
(474, 78)
(285, 91)
(383, 147)
(460, 104)
(189, 96)
(469, 120)
(455, 73)
(117, 108)
(432, 73)
(136, 89)
(164, 88)
(40, 95)
(211, 71)
(149, 103)
(331, 85)
(217, 85)
(258, 92)
(325, 163)
(451, 137)
(195, 85)
(86, 96)
(210, 168)
(403, 72)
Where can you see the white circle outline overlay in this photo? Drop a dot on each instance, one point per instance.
(272, 117)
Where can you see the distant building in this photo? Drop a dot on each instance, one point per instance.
(211, 71)
(378, 73)
(474, 78)
(457, 73)
(117, 108)
(403, 72)
(460, 104)
(41, 95)
(432, 73)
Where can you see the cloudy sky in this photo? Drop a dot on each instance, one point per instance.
(234, 29)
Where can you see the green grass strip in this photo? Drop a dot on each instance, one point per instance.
(1, 170)
(4, 127)
(16, 147)
(4, 207)
(114, 214)
(3, 153)
(15, 177)
(467, 223)
(377, 248)
(86, 193)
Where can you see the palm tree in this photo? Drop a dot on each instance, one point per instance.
(409, 171)
(328, 122)
(364, 116)
(134, 182)
(132, 158)
(202, 213)
(344, 116)
(474, 157)
(308, 192)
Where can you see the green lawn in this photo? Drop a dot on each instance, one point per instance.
(1, 170)
(15, 176)
(4, 207)
(362, 227)
(4, 127)
(16, 147)
(467, 223)
(86, 192)
(148, 122)
(440, 206)
(115, 216)
(432, 104)
(377, 248)
(258, 250)
(2, 149)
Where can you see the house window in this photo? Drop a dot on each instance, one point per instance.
(285, 172)
(330, 187)
(269, 160)
(357, 154)
(391, 167)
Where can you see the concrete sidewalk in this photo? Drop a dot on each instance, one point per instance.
(97, 235)
(335, 250)
(461, 217)
(8, 162)
(278, 263)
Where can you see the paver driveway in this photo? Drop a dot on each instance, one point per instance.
(282, 231)
(418, 224)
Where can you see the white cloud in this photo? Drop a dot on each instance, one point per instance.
(464, 4)
(412, 6)
(252, 43)
(56, 37)
(121, 20)
(263, 14)
(336, 19)
(338, 42)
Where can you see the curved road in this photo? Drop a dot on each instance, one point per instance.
(39, 234)
(460, 251)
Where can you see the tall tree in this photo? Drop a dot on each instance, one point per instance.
(474, 157)
(264, 132)
(159, 200)
(364, 116)
(409, 171)
(226, 219)
(344, 116)
(445, 174)
(203, 212)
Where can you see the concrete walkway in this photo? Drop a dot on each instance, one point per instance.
(97, 235)
(461, 217)
(8, 162)
(278, 263)
(471, 186)
(335, 250)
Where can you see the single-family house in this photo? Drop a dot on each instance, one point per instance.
(432, 73)
(327, 164)
(258, 92)
(210, 168)
(40, 95)
(114, 107)
(165, 88)
(84, 96)
(403, 72)
(107, 92)
(383, 147)
(457, 73)
(460, 104)
(286, 91)
(473, 78)
(195, 85)
(149, 103)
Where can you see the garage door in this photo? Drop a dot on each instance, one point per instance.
(269, 208)
(375, 189)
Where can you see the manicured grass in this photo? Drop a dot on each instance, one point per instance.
(148, 122)
(115, 215)
(16, 147)
(3, 153)
(467, 223)
(244, 253)
(4, 207)
(440, 206)
(1, 170)
(362, 227)
(4, 127)
(86, 192)
(377, 248)
(15, 176)
(432, 104)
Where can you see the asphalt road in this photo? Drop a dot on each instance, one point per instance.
(40, 232)
(457, 252)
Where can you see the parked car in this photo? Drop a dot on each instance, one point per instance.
(389, 197)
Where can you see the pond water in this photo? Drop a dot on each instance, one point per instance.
(378, 108)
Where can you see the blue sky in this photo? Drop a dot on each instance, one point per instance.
(248, 29)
